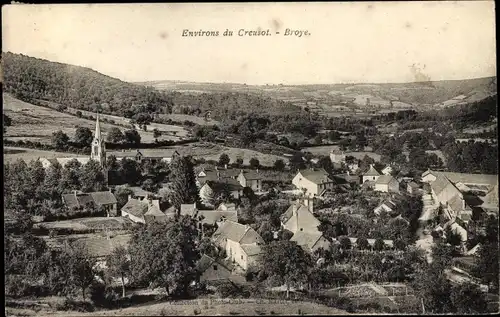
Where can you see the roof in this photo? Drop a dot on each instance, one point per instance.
(230, 183)
(78, 200)
(135, 207)
(214, 216)
(371, 172)
(389, 204)
(456, 203)
(188, 209)
(154, 211)
(413, 184)
(440, 183)
(217, 175)
(479, 179)
(348, 178)
(99, 246)
(384, 179)
(302, 218)
(316, 175)
(103, 198)
(491, 198)
(251, 175)
(204, 263)
(306, 239)
(251, 249)
(234, 231)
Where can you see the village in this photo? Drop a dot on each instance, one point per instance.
(361, 211)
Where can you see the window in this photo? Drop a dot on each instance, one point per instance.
(301, 229)
(215, 267)
(242, 257)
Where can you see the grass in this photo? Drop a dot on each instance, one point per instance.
(13, 153)
(82, 224)
(36, 123)
(245, 307)
(185, 117)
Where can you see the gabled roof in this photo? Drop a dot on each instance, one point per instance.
(135, 207)
(491, 198)
(230, 183)
(412, 184)
(384, 179)
(214, 216)
(306, 239)
(78, 200)
(234, 231)
(153, 210)
(372, 172)
(302, 218)
(251, 175)
(456, 203)
(103, 198)
(440, 183)
(465, 178)
(316, 175)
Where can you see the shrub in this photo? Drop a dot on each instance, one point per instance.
(196, 311)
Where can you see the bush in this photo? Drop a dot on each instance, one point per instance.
(71, 304)
(103, 296)
(227, 290)
(196, 311)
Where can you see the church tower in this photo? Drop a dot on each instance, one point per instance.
(98, 149)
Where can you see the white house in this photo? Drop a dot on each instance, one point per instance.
(250, 179)
(313, 182)
(143, 210)
(386, 184)
(371, 175)
(241, 242)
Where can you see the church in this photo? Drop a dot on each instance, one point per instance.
(98, 151)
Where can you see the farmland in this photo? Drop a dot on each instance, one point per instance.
(205, 307)
(13, 153)
(36, 123)
(208, 151)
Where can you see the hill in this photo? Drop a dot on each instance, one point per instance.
(30, 79)
(346, 98)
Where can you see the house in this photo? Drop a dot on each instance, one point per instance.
(229, 185)
(250, 179)
(313, 182)
(488, 180)
(211, 270)
(412, 188)
(490, 200)
(387, 170)
(337, 156)
(311, 241)
(371, 175)
(387, 206)
(143, 210)
(347, 178)
(241, 243)
(386, 184)
(103, 200)
(299, 217)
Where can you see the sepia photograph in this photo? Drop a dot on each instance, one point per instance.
(184, 159)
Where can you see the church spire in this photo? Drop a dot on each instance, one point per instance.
(98, 151)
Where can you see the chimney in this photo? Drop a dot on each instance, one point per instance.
(74, 192)
(156, 202)
(225, 166)
(257, 171)
(129, 197)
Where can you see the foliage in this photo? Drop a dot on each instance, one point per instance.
(83, 136)
(184, 190)
(132, 137)
(254, 163)
(119, 265)
(223, 159)
(165, 254)
(279, 165)
(115, 135)
(60, 140)
(285, 262)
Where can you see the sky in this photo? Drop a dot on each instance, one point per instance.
(357, 42)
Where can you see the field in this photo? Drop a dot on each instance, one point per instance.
(13, 153)
(82, 224)
(321, 150)
(36, 123)
(209, 151)
(185, 117)
(224, 307)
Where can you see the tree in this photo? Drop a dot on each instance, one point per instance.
(121, 194)
(83, 137)
(156, 133)
(400, 244)
(7, 122)
(452, 237)
(184, 190)
(296, 162)
(239, 162)
(286, 263)
(345, 243)
(223, 159)
(60, 140)
(164, 254)
(92, 177)
(254, 163)
(71, 175)
(129, 171)
(118, 264)
(379, 245)
(279, 165)
(115, 135)
(362, 243)
(468, 299)
(80, 266)
(132, 137)
(487, 260)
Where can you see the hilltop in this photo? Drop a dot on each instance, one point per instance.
(330, 98)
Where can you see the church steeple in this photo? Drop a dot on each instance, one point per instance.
(98, 152)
